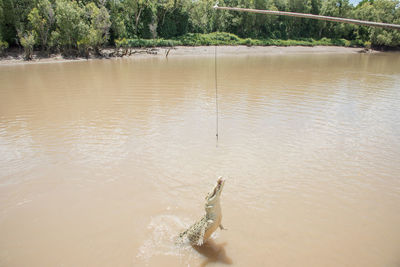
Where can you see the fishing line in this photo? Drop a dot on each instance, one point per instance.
(216, 91)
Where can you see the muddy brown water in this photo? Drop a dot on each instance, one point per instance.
(103, 163)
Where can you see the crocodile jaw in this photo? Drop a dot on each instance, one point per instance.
(213, 196)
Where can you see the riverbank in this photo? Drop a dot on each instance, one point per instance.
(17, 56)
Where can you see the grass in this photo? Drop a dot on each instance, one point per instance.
(222, 38)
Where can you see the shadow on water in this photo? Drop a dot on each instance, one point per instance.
(213, 252)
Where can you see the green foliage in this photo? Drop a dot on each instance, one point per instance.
(337, 8)
(216, 38)
(28, 41)
(120, 43)
(99, 26)
(152, 42)
(41, 20)
(221, 38)
(380, 11)
(84, 47)
(14, 19)
(81, 27)
(3, 47)
(124, 43)
(54, 41)
(137, 15)
(202, 19)
(71, 24)
(174, 23)
(117, 28)
(84, 26)
(1, 19)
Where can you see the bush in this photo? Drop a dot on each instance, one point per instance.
(129, 43)
(28, 41)
(71, 24)
(121, 44)
(221, 38)
(41, 20)
(215, 38)
(3, 47)
(84, 47)
(97, 34)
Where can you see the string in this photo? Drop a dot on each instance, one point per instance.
(216, 91)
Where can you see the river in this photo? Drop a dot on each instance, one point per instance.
(104, 162)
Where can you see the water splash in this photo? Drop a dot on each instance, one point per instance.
(162, 240)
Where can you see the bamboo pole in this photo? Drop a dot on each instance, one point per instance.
(312, 16)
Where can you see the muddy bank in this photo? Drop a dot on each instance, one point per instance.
(17, 57)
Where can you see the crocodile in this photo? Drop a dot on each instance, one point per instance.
(201, 230)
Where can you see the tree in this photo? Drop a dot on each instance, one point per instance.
(42, 19)
(1, 19)
(117, 28)
(15, 18)
(86, 25)
(99, 25)
(380, 11)
(133, 14)
(71, 24)
(337, 8)
(28, 41)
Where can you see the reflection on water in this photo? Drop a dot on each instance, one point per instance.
(104, 162)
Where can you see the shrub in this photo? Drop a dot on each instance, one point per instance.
(71, 24)
(220, 38)
(129, 43)
(28, 41)
(97, 34)
(84, 47)
(3, 47)
(41, 19)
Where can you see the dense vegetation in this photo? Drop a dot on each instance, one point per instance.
(81, 26)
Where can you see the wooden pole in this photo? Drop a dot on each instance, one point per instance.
(312, 16)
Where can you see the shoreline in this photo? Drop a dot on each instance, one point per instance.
(16, 57)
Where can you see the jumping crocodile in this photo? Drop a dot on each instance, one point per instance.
(200, 231)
